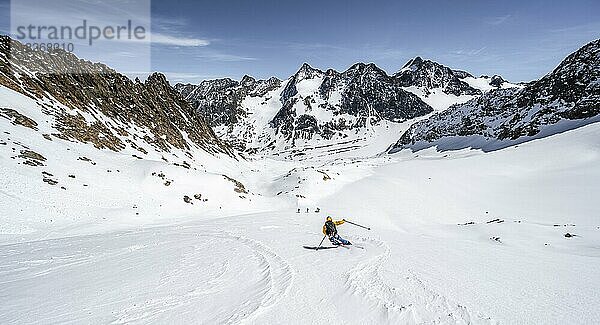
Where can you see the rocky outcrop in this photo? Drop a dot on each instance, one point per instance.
(497, 81)
(566, 98)
(94, 104)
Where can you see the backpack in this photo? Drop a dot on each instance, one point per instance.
(330, 228)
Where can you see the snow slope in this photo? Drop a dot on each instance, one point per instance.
(77, 184)
(483, 83)
(518, 269)
(440, 100)
(461, 237)
(437, 98)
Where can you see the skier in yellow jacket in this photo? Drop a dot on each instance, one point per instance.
(330, 230)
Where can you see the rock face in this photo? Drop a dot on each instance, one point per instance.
(428, 75)
(361, 95)
(92, 103)
(565, 98)
(219, 101)
(260, 115)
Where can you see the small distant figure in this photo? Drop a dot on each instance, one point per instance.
(307, 210)
(298, 210)
(317, 210)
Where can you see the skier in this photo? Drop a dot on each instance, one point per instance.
(330, 230)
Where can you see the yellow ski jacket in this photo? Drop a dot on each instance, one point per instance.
(337, 223)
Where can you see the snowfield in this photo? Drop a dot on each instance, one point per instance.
(457, 237)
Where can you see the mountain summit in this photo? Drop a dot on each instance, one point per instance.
(429, 75)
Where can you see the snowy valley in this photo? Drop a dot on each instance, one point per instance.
(144, 202)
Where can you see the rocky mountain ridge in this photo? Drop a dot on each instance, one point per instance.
(311, 104)
(325, 105)
(92, 103)
(565, 98)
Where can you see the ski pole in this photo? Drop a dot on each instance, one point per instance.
(320, 243)
(352, 223)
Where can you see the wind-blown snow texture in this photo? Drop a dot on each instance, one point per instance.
(167, 229)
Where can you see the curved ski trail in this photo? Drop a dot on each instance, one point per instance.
(411, 301)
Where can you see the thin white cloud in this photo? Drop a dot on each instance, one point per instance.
(468, 52)
(497, 20)
(208, 54)
(164, 39)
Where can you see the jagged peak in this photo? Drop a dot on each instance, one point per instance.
(307, 72)
(331, 72)
(218, 81)
(307, 67)
(273, 79)
(413, 64)
(156, 78)
(363, 68)
(362, 65)
(247, 80)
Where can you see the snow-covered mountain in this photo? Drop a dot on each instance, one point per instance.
(316, 108)
(565, 98)
(311, 106)
(440, 86)
(429, 75)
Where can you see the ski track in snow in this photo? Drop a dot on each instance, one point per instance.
(412, 302)
(276, 272)
(39, 264)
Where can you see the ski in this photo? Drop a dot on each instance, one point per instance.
(319, 247)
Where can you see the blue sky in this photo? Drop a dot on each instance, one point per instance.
(521, 40)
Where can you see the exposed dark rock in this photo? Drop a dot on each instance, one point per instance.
(497, 81)
(239, 187)
(50, 181)
(17, 118)
(32, 158)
